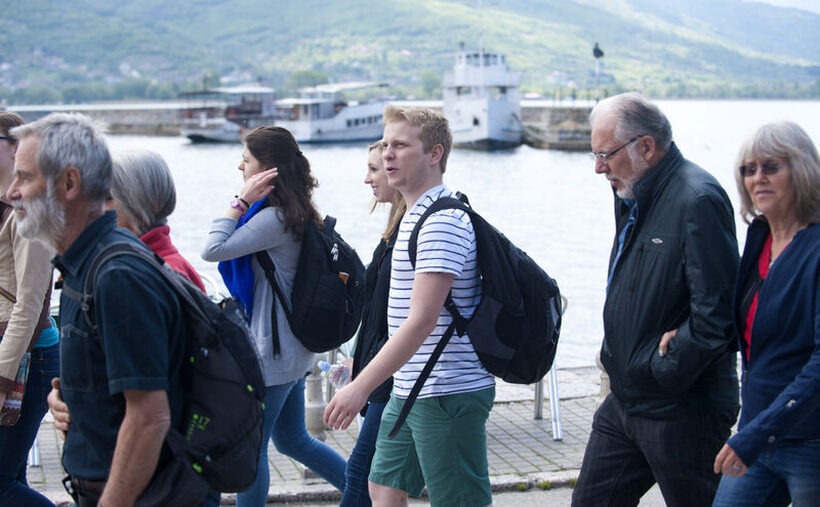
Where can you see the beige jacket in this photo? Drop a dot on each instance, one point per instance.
(25, 272)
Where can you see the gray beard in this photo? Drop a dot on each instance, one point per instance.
(44, 219)
(641, 167)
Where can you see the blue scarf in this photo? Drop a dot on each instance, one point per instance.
(238, 273)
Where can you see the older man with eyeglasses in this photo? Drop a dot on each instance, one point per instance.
(668, 335)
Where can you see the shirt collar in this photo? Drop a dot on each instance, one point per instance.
(434, 193)
(652, 180)
(75, 256)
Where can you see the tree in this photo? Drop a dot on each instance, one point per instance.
(430, 83)
(37, 94)
(305, 78)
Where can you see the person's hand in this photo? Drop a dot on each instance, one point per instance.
(258, 186)
(342, 409)
(727, 462)
(665, 339)
(58, 408)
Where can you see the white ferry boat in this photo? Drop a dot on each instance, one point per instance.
(321, 114)
(226, 114)
(482, 102)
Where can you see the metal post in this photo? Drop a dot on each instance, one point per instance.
(34, 453)
(538, 413)
(332, 358)
(315, 404)
(555, 405)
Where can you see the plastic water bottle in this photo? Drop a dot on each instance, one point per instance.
(339, 374)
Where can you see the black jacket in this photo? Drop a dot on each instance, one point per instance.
(677, 270)
(373, 331)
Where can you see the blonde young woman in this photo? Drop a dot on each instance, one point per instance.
(373, 332)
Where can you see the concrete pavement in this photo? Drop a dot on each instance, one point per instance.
(521, 451)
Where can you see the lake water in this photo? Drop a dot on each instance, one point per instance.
(550, 203)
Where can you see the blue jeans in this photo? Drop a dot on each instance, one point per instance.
(15, 441)
(788, 470)
(627, 454)
(358, 465)
(285, 423)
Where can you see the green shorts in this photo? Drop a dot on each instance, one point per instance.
(443, 444)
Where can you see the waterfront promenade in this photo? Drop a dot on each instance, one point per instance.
(521, 451)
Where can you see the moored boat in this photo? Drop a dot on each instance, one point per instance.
(322, 114)
(482, 102)
(225, 114)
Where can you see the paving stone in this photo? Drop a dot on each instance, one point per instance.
(520, 449)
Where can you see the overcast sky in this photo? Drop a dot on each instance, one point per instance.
(809, 5)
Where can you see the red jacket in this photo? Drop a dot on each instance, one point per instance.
(158, 239)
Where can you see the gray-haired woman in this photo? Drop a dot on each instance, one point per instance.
(775, 454)
(143, 193)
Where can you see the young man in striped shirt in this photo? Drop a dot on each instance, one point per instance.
(443, 443)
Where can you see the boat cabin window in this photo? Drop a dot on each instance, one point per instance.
(498, 92)
(463, 90)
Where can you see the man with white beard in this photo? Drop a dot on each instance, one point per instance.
(668, 334)
(121, 381)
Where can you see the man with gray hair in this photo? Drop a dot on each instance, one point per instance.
(668, 333)
(120, 379)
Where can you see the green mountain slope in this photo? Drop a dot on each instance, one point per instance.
(664, 48)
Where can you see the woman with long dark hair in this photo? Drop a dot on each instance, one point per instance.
(269, 215)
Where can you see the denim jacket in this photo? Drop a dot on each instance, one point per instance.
(139, 345)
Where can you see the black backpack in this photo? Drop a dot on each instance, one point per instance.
(220, 435)
(328, 290)
(514, 330)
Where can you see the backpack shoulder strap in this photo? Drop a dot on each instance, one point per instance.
(5, 212)
(117, 249)
(459, 322)
(270, 269)
(462, 203)
(425, 373)
(329, 223)
(441, 204)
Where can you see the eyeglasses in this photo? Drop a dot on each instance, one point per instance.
(768, 169)
(6, 138)
(604, 157)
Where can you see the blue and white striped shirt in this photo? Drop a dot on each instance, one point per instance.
(446, 244)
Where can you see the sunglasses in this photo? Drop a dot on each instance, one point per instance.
(6, 138)
(768, 169)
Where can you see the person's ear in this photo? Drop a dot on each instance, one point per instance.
(647, 147)
(71, 182)
(436, 153)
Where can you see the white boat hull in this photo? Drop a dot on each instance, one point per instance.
(484, 123)
(352, 123)
(220, 130)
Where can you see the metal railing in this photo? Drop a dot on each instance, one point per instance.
(555, 399)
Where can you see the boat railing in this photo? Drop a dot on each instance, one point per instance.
(202, 122)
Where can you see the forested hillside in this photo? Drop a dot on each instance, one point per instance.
(97, 49)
